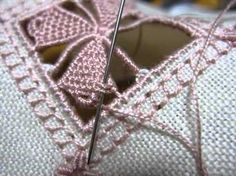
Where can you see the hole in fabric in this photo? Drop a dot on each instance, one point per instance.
(57, 74)
(148, 94)
(149, 44)
(72, 7)
(121, 75)
(51, 54)
(23, 26)
(85, 113)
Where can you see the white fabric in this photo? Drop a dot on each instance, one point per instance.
(26, 148)
(150, 152)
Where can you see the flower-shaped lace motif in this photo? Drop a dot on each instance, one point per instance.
(90, 29)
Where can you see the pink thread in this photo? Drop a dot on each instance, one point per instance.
(193, 92)
(44, 117)
(100, 89)
(197, 151)
(78, 166)
(83, 78)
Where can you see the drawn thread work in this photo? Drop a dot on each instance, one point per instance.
(50, 28)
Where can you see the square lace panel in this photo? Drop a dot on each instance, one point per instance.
(56, 53)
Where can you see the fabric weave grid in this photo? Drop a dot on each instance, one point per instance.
(120, 130)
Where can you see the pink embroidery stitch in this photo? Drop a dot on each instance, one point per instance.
(83, 78)
(197, 69)
(78, 166)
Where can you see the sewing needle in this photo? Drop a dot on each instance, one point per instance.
(105, 79)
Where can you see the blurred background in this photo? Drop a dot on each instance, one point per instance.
(205, 8)
(213, 4)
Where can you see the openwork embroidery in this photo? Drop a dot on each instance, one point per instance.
(78, 166)
(82, 79)
(96, 41)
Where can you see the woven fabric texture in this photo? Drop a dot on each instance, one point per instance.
(152, 152)
(25, 148)
(151, 129)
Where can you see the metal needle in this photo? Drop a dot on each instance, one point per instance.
(106, 76)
